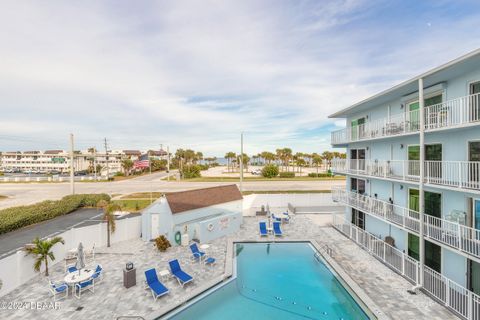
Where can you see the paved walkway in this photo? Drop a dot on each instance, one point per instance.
(111, 299)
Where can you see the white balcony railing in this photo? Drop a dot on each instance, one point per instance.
(449, 233)
(458, 174)
(462, 301)
(452, 113)
(398, 124)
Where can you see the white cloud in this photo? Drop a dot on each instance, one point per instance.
(197, 73)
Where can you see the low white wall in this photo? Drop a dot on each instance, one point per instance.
(253, 202)
(17, 269)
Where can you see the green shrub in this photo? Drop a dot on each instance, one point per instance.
(270, 171)
(119, 174)
(18, 217)
(287, 174)
(203, 166)
(191, 171)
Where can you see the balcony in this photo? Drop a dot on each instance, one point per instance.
(460, 112)
(444, 232)
(452, 174)
(465, 303)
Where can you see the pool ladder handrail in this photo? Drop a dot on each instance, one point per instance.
(325, 248)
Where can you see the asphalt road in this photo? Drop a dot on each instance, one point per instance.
(15, 239)
(28, 193)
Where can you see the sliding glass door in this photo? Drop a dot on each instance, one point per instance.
(358, 129)
(433, 207)
(474, 107)
(474, 165)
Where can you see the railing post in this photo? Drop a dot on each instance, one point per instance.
(460, 174)
(470, 305)
(403, 265)
(384, 251)
(447, 293)
(459, 236)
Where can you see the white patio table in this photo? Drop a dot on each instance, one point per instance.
(78, 276)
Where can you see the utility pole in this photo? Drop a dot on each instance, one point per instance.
(151, 182)
(241, 162)
(95, 162)
(168, 163)
(421, 103)
(72, 167)
(106, 159)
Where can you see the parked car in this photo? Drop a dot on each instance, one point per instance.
(256, 172)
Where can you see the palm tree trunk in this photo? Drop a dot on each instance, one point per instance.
(108, 233)
(46, 266)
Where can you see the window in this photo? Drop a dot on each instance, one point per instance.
(475, 87)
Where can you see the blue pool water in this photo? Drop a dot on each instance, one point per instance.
(277, 281)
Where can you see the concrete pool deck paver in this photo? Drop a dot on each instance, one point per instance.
(111, 300)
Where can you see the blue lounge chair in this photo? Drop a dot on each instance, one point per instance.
(276, 229)
(98, 275)
(157, 288)
(182, 277)
(263, 228)
(197, 254)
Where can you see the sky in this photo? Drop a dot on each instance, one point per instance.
(195, 74)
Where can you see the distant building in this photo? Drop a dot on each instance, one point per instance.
(202, 214)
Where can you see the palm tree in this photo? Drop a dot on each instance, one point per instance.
(108, 216)
(316, 160)
(245, 159)
(41, 250)
(298, 157)
(268, 156)
(127, 165)
(229, 156)
(328, 156)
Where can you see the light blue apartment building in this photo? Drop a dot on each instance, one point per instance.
(385, 166)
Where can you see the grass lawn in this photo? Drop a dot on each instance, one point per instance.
(133, 205)
(234, 179)
(142, 195)
(285, 191)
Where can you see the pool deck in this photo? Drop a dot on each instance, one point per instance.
(111, 300)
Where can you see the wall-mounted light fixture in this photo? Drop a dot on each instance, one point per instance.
(368, 148)
(376, 195)
(401, 146)
(401, 187)
(366, 116)
(402, 106)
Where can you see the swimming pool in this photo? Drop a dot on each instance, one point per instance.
(277, 281)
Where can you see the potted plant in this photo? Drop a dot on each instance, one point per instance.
(162, 243)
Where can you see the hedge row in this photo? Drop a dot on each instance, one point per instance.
(18, 217)
(287, 174)
(320, 175)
